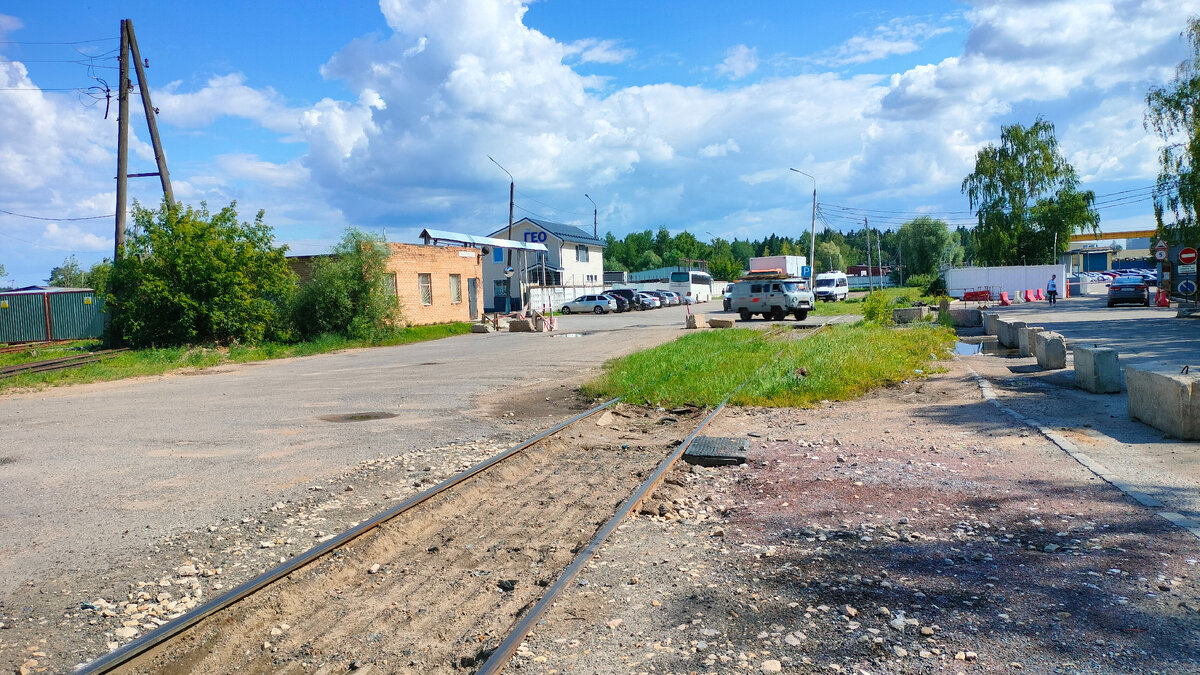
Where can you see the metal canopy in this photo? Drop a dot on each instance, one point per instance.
(434, 236)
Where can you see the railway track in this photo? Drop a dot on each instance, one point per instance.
(58, 364)
(450, 580)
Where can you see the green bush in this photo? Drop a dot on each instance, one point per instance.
(347, 295)
(877, 308)
(919, 281)
(936, 286)
(189, 277)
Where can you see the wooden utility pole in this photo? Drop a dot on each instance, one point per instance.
(129, 50)
(879, 257)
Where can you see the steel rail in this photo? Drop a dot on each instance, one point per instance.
(498, 659)
(59, 363)
(127, 653)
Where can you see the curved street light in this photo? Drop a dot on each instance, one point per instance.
(812, 241)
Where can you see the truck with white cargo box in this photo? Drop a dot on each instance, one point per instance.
(791, 265)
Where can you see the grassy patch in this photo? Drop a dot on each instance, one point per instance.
(143, 362)
(904, 297)
(841, 362)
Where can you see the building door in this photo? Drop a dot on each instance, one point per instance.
(473, 297)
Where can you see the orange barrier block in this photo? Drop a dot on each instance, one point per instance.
(1038, 295)
(1004, 301)
(1028, 295)
(1162, 299)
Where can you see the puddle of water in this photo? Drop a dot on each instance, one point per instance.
(358, 417)
(983, 347)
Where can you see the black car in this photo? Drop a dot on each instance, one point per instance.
(1130, 290)
(622, 302)
(630, 295)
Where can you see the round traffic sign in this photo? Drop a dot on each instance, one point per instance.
(1187, 287)
(1160, 254)
(1187, 255)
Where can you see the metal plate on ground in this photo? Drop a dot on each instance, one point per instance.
(717, 451)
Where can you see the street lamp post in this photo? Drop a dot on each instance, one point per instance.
(812, 241)
(512, 186)
(595, 217)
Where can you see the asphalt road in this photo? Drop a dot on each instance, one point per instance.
(1139, 334)
(99, 472)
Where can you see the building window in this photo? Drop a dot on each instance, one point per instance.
(456, 289)
(500, 288)
(497, 255)
(426, 285)
(581, 253)
(389, 284)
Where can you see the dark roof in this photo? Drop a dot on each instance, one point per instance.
(564, 232)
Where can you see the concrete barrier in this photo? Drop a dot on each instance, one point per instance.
(520, 326)
(990, 320)
(1097, 370)
(694, 320)
(909, 314)
(966, 317)
(481, 328)
(1025, 339)
(1050, 349)
(1165, 399)
(1006, 332)
(720, 323)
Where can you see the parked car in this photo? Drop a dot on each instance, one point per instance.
(622, 303)
(597, 304)
(634, 298)
(664, 297)
(1128, 290)
(650, 301)
(677, 299)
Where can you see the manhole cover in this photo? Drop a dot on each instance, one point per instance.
(358, 417)
(716, 451)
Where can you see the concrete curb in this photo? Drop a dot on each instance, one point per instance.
(989, 394)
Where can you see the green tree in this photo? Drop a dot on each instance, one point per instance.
(1171, 114)
(97, 276)
(926, 243)
(349, 293)
(725, 268)
(186, 277)
(1026, 197)
(67, 275)
(829, 257)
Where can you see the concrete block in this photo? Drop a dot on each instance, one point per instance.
(695, 320)
(1097, 370)
(1167, 400)
(909, 314)
(720, 323)
(990, 323)
(966, 317)
(1050, 349)
(481, 328)
(1006, 332)
(520, 326)
(1025, 339)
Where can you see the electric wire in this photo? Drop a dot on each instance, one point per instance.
(22, 215)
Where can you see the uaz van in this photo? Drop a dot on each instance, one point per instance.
(832, 286)
(772, 298)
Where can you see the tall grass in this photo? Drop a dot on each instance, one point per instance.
(157, 361)
(839, 363)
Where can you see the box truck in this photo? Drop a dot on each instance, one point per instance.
(791, 265)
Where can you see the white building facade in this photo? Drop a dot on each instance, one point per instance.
(572, 265)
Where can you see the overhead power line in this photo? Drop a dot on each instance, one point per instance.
(22, 215)
(76, 42)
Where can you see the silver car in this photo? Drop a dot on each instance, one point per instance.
(650, 301)
(596, 304)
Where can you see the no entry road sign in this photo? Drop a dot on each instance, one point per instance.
(1187, 255)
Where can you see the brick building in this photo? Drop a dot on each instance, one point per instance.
(434, 284)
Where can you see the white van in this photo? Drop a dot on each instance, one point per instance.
(832, 286)
(772, 298)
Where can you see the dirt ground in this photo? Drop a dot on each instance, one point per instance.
(917, 530)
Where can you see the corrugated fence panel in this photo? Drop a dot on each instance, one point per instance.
(76, 315)
(22, 317)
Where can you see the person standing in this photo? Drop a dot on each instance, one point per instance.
(1052, 289)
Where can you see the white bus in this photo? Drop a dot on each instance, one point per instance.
(694, 286)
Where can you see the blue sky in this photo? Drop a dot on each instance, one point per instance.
(683, 114)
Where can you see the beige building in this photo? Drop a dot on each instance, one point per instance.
(433, 284)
